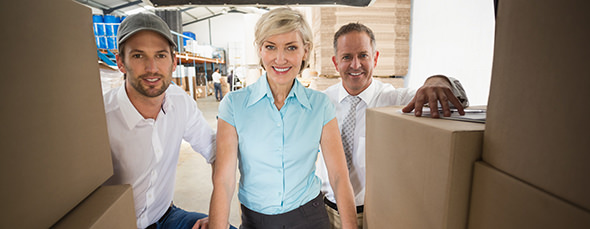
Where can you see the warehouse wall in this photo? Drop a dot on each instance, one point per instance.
(233, 28)
(455, 38)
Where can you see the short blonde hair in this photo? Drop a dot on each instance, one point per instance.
(284, 20)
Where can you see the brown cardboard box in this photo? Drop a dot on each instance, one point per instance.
(108, 207)
(176, 81)
(185, 84)
(418, 170)
(224, 81)
(537, 122)
(224, 86)
(224, 89)
(502, 201)
(196, 93)
(55, 148)
(201, 91)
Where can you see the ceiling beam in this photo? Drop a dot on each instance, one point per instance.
(92, 4)
(202, 19)
(110, 10)
(188, 8)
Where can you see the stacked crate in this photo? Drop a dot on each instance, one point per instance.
(389, 20)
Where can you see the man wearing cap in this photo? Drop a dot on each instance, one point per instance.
(147, 119)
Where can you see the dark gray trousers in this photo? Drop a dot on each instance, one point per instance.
(311, 215)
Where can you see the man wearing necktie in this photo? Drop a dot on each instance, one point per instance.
(355, 58)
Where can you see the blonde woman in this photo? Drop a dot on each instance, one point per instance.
(274, 127)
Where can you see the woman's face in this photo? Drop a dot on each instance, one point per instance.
(281, 56)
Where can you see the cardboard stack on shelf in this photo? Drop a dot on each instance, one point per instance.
(54, 133)
(201, 91)
(201, 85)
(422, 173)
(389, 20)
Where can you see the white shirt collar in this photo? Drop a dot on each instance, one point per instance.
(365, 95)
(131, 116)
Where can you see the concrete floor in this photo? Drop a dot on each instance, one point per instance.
(193, 188)
(193, 180)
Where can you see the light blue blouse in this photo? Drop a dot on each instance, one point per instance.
(277, 149)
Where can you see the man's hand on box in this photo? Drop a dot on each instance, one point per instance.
(436, 90)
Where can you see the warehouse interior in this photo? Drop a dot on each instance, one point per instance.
(524, 168)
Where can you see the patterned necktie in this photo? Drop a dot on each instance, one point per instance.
(348, 129)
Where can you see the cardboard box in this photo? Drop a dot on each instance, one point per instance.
(196, 93)
(224, 89)
(537, 123)
(176, 81)
(55, 145)
(108, 207)
(201, 91)
(502, 201)
(185, 84)
(223, 81)
(419, 170)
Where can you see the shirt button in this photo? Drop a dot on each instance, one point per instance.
(278, 124)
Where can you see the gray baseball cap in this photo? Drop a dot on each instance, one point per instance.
(143, 21)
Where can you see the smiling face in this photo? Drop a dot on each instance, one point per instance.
(282, 57)
(148, 63)
(355, 60)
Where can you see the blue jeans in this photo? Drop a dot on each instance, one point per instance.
(218, 93)
(178, 218)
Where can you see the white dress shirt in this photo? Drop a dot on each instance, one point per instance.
(378, 94)
(145, 151)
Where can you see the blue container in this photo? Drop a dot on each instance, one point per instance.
(109, 29)
(99, 29)
(98, 22)
(188, 34)
(109, 23)
(112, 42)
(98, 19)
(111, 19)
(102, 42)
